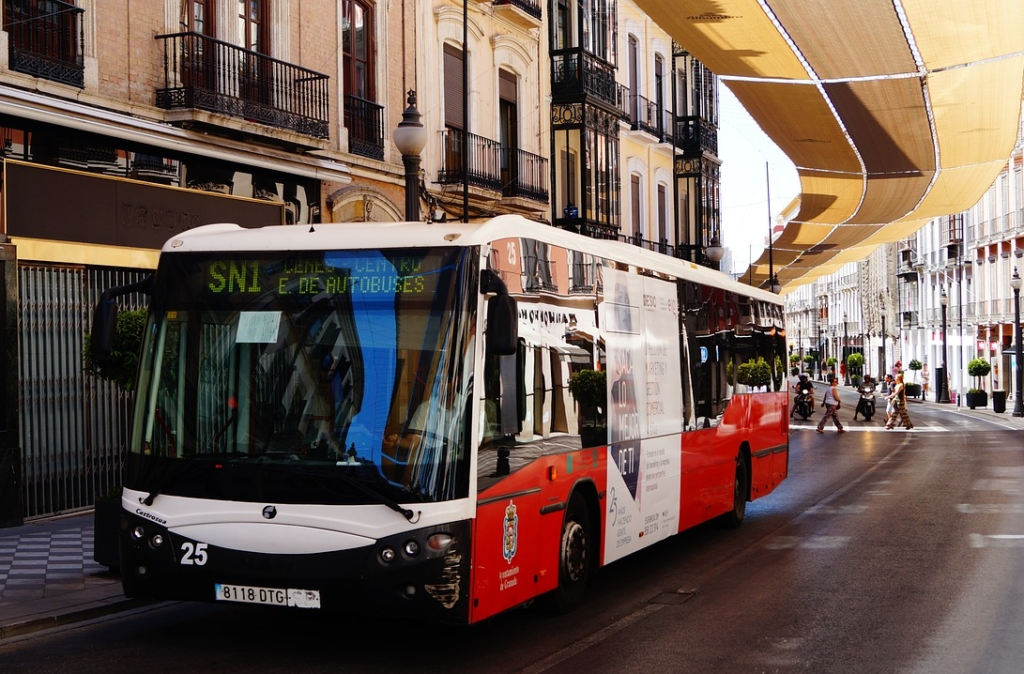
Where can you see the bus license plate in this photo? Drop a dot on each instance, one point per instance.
(274, 596)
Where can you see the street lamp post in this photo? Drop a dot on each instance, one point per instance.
(881, 375)
(944, 379)
(410, 138)
(846, 339)
(1018, 399)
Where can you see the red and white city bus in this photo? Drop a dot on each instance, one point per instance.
(377, 417)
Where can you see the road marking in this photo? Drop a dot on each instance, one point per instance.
(876, 429)
(837, 510)
(996, 540)
(808, 543)
(990, 508)
(1005, 485)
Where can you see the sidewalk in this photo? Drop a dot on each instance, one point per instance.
(48, 577)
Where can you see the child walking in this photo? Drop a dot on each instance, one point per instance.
(831, 402)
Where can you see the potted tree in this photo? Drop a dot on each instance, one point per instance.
(913, 389)
(854, 362)
(118, 367)
(755, 373)
(830, 363)
(977, 396)
(589, 389)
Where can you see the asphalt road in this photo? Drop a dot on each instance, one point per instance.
(884, 551)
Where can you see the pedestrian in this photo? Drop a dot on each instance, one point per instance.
(899, 403)
(887, 385)
(832, 405)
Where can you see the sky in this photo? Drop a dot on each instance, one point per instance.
(744, 150)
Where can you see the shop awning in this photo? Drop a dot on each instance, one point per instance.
(894, 112)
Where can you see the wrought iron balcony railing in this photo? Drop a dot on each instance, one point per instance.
(203, 73)
(46, 40)
(365, 122)
(528, 6)
(483, 160)
(513, 172)
(695, 136)
(646, 115)
(523, 175)
(575, 72)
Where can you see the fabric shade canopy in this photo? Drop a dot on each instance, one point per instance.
(893, 111)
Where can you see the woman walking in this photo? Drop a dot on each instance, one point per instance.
(831, 402)
(899, 403)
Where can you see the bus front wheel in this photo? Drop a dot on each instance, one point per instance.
(574, 557)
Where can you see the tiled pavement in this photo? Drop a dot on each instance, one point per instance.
(48, 576)
(42, 562)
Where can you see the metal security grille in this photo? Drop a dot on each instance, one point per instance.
(72, 425)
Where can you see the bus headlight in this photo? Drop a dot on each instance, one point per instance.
(138, 532)
(156, 541)
(412, 548)
(387, 555)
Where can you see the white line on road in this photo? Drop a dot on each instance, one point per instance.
(997, 540)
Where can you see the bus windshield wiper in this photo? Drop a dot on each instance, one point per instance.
(373, 493)
(163, 485)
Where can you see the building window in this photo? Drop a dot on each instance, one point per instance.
(508, 122)
(358, 48)
(634, 196)
(254, 25)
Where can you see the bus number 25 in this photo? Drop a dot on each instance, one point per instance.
(193, 553)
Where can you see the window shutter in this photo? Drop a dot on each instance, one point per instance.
(507, 86)
(454, 115)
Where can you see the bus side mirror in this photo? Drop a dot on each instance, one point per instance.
(502, 326)
(104, 321)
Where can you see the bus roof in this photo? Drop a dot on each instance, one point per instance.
(377, 235)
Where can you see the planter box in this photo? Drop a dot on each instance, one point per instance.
(913, 390)
(975, 400)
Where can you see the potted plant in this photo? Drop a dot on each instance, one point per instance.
(977, 396)
(589, 389)
(118, 367)
(754, 373)
(913, 389)
(854, 363)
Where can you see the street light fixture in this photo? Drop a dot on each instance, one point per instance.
(410, 138)
(846, 338)
(714, 252)
(1018, 399)
(944, 377)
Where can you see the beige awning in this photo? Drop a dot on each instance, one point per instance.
(894, 112)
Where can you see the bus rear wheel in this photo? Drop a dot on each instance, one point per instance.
(740, 492)
(574, 557)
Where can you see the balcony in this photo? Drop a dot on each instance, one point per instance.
(647, 116)
(524, 175)
(483, 160)
(695, 136)
(203, 73)
(523, 13)
(365, 122)
(576, 72)
(46, 40)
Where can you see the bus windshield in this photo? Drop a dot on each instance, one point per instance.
(322, 377)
